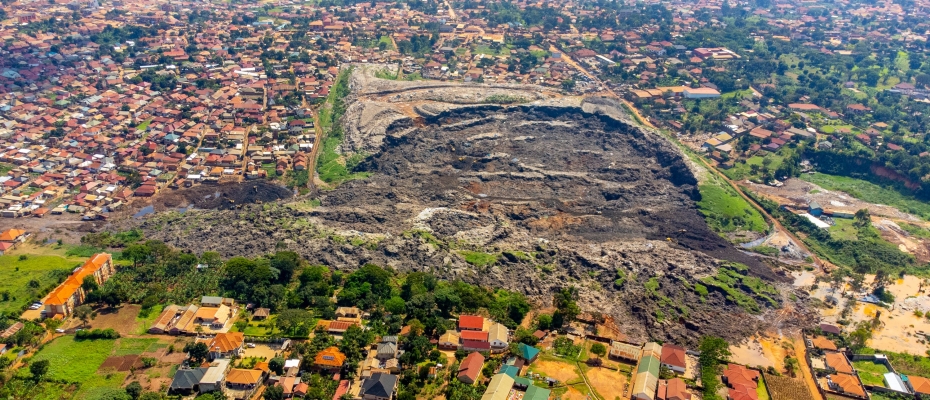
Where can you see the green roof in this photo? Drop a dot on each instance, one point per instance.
(527, 352)
(536, 393)
(522, 381)
(648, 364)
(511, 370)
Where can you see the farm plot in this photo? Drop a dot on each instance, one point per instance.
(785, 388)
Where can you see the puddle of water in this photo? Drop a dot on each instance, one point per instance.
(144, 211)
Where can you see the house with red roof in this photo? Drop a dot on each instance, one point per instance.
(471, 323)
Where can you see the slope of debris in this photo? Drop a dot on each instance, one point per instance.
(530, 197)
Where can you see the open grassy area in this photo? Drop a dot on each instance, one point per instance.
(843, 229)
(73, 361)
(870, 372)
(387, 42)
(24, 281)
(332, 167)
(726, 211)
(761, 391)
(128, 346)
(478, 258)
(752, 167)
(872, 193)
(144, 125)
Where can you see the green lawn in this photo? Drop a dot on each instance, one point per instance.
(144, 125)
(761, 391)
(870, 372)
(146, 318)
(872, 193)
(129, 346)
(100, 385)
(73, 361)
(743, 170)
(23, 281)
(478, 258)
(387, 41)
(726, 211)
(844, 229)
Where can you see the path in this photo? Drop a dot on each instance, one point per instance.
(817, 260)
(585, 379)
(806, 375)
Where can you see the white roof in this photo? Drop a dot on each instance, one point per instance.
(291, 363)
(894, 382)
(814, 220)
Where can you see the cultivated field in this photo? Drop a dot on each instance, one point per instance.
(785, 388)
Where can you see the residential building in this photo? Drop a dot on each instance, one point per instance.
(379, 386)
(673, 358)
(330, 359)
(186, 381)
(61, 302)
(499, 388)
(673, 389)
(470, 368)
(226, 345)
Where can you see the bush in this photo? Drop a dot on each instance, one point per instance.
(95, 334)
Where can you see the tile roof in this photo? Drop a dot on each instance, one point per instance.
(471, 322)
(11, 235)
(239, 376)
(471, 367)
(849, 384)
(226, 342)
(330, 357)
(838, 362)
(673, 355)
(63, 292)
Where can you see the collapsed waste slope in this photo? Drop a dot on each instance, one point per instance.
(533, 198)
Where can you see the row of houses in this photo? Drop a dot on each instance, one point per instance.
(212, 315)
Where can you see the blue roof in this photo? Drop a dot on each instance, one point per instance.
(527, 352)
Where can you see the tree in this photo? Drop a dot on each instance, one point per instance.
(713, 350)
(197, 352)
(289, 320)
(89, 284)
(395, 305)
(598, 349)
(791, 365)
(544, 322)
(566, 308)
(274, 393)
(276, 365)
(134, 390)
(862, 218)
(38, 369)
(859, 338)
(85, 314)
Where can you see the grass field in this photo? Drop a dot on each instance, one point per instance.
(870, 372)
(870, 192)
(73, 361)
(761, 391)
(146, 318)
(726, 211)
(744, 170)
(844, 229)
(129, 346)
(23, 281)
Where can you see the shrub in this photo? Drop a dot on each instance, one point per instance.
(95, 334)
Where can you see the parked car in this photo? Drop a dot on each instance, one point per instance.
(251, 345)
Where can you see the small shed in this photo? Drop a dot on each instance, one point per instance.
(261, 314)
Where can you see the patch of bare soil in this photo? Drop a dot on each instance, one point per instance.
(121, 363)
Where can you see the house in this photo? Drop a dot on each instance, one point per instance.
(673, 358)
(330, 359)
(700, 93)
(474, 336)
(211, 301)
(498, 336)
(534, 392)
(4, 247)
(214, 377)
(69, 294)
(624, 351)
(919, 385)
(186, 381)
(11, 330)
(449, 340)
(528, 353)
(815, 209)
(470, 368)
(13, 236)
(475, 345)
(386, 351)
(471, 323)
(837, 361)
(673, 389)
(226, 345)
(379, 386)
(244, 379)
(261, 314)
(830, 329)
(820, 342)
(646, 379)
(499, 388)
(846, 384)
(349, 313)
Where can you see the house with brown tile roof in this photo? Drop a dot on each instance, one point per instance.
(847, 384)
(919, 384)
(823, 343)
(673, 389)
(838, 362)
(226, 345)
(470, 368)
(673, 358)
